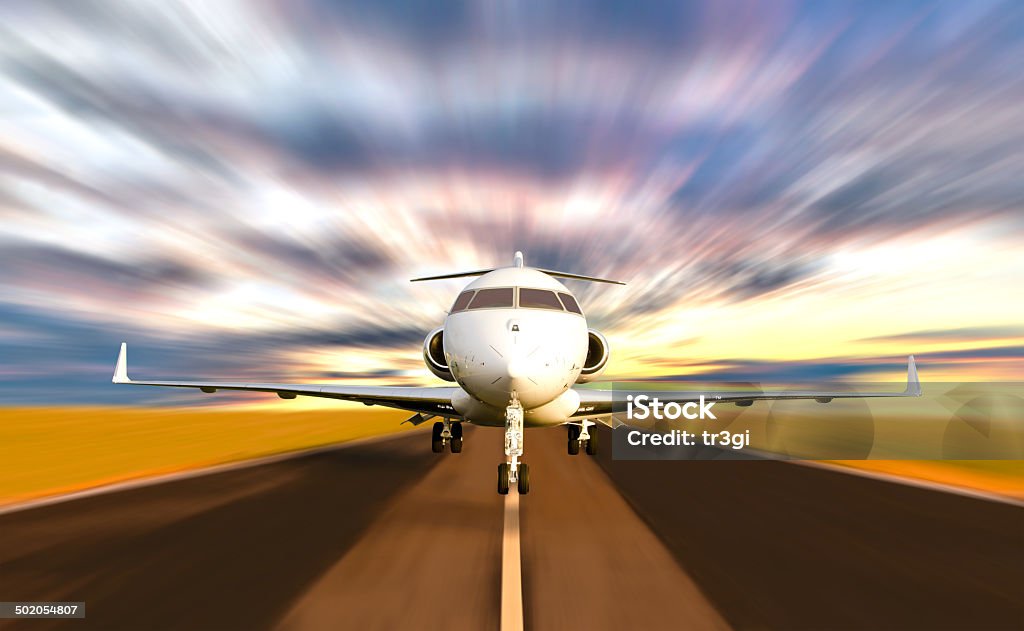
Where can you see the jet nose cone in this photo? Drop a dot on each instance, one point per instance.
(517, 369)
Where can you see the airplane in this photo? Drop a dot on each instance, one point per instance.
(515, 344)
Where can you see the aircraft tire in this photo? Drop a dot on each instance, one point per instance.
(436, 443)
(592, 443)
(503, 476)
(524, 479)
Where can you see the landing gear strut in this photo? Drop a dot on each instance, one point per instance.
(513, 471)
(446, 432)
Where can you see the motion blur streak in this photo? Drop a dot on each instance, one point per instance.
(827, 185)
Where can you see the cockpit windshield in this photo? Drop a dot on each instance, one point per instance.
(495, 298)
(462, 301)
(510, 297)
(570, 303)
(538, 299)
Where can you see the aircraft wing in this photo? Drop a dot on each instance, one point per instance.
(598, 403)
(435, 401)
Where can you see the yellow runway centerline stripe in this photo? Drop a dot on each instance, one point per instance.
(511, 567)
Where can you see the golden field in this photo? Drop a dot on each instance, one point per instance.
(1001, 477)
(50, 451)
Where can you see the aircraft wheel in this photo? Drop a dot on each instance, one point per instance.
(574, 440)
(436, 443)
(503, 476)
(456, 445)
(592, 443)
(456, 429)
(524, 479)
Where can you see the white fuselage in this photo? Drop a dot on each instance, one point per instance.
(534, 353)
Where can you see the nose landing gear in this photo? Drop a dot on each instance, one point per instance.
(506, 479)
(513, 471)
(446, 432)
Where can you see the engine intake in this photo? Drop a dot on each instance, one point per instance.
(598, 352)
(433, 355)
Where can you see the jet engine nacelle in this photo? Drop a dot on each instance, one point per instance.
(598, 352)
(433, 354)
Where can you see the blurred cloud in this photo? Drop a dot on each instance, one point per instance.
(961, 334)
(243, 189)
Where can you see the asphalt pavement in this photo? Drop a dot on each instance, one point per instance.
(388, 535)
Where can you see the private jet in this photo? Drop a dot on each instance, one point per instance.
(515, 344)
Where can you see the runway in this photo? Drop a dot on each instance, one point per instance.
(388, 535)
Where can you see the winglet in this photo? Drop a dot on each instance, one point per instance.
(913, 382)
(121, 368)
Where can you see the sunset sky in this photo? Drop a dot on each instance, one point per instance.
(241, 190)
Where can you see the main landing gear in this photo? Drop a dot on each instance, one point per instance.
(580, 435)
(449, 433)
(513, 471)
